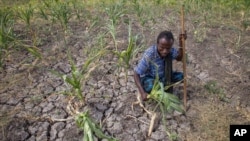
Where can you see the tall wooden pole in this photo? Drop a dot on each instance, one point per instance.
(184, 59)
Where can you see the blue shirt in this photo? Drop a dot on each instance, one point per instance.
(151, 61)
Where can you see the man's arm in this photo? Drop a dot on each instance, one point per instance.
(138, 84)
(180, 52)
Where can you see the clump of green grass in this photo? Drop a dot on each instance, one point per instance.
(213, 88)
(90, 128)
(26, 14)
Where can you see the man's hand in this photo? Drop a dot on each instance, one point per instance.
(181, 37)
(144, 96)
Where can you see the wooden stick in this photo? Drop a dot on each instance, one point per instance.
(184, 59)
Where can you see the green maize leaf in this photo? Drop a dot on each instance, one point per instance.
(75, 74)
(173, 98)
(79, 93)
(85, 137)
(88, 131)
(97, 130)
(70, 81)
(176, 107)
(123, 53)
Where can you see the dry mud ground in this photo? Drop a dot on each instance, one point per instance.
(218, 90)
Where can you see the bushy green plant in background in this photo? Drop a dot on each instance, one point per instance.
(115, 11)
(26, 13)
(58, 11)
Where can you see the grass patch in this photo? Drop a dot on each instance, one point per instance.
(212, 121)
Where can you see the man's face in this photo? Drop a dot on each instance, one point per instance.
(164, 46)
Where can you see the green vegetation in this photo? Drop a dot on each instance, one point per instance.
(125, 56)
(26, 14)
(78, 76)
(103, 23)
(90, 128)
(6, 33)
(213, 88)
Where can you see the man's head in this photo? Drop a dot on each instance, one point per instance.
(165, 40)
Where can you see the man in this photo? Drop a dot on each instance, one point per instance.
(153, 60)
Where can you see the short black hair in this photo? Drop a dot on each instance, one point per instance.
(168, 35)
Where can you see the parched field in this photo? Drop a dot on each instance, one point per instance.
(59, 59)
